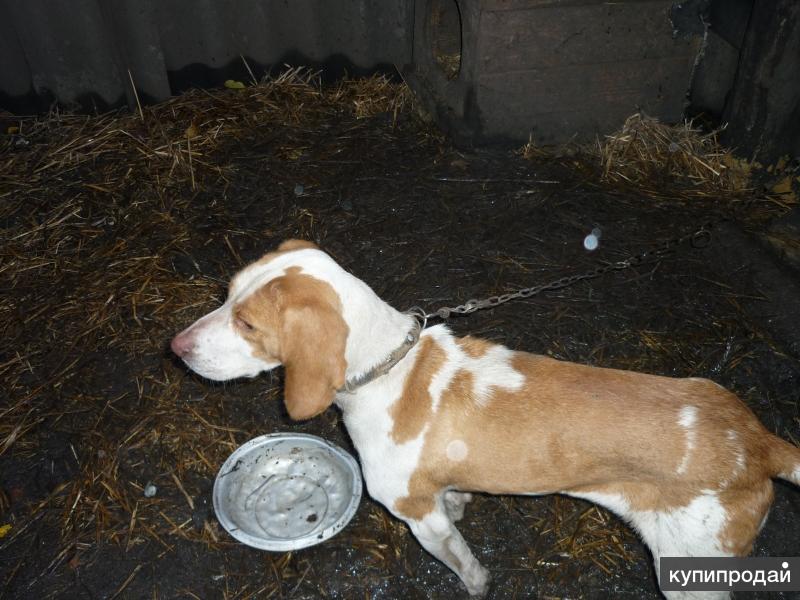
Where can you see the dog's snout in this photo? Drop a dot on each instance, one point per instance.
(183, 344)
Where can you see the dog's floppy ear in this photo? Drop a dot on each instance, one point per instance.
(289, 245)
(313, 341)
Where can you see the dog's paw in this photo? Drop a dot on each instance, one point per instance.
(477, 581)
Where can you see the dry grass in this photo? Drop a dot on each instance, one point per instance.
(660, 161)
(590, 535)
(645, 150)
(373, 96)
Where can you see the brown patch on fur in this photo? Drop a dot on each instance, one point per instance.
(413, 409)
(416, 506)
(284, 248)
(426, 483)
(746, 510)
(295, 244)
(575, 428)
(474, 347)
(297, 321)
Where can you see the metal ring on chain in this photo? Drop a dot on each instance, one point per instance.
(701, 239)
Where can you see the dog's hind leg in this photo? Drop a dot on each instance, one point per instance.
(454, 503)
(687, 531)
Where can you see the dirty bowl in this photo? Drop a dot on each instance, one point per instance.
(286, 491)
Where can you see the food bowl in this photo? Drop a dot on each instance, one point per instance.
(286, 491)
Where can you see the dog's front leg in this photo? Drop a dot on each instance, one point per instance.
(437, 534)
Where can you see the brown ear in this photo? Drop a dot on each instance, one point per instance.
(313, 341)
(289, 245)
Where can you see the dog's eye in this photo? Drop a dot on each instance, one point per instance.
(242, 324)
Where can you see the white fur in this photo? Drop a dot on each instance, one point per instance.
(453, 363)
(454, 503)
(490, 371)
(794, 476)
(438, 535)
(369, 423)
(220, 354)
(691, 530)
(456, 450)
(741, 460)
(687, 418)
(493, 370)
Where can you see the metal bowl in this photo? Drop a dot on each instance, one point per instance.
(286, 491)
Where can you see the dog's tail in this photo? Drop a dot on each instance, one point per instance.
(785, 460)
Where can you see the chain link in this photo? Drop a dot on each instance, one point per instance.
(699, 238)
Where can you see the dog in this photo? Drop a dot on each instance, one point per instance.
(435, 418)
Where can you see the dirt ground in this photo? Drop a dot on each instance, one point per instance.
(96, 407)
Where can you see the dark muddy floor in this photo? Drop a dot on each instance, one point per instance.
(423, 224)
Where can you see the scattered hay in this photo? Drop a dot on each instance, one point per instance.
(373, 96)
(589, 534)
(668, 162)
(645, 150)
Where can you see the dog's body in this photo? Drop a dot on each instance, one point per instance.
(683, 460)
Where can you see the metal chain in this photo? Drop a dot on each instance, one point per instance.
(699, 238)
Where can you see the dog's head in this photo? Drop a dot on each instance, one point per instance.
(277, 313)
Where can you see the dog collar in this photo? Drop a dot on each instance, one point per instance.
(383, 367)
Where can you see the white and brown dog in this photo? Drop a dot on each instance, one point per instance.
(684, 461)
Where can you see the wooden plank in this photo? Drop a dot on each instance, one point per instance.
(575, 35)
(557, 103)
